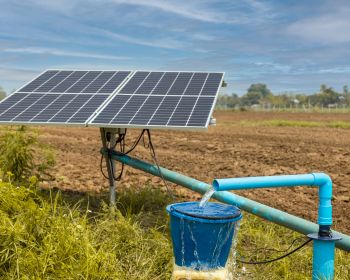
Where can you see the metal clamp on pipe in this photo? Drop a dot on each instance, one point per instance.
(324, 239)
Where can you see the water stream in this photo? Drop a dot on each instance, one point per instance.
(206, 197)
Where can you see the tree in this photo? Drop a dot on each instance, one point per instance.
(2, 93)
(251, 98)
(259, 88)
(328, 96)
(345, 89)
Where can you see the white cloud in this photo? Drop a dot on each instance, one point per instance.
(335, 70)
(207, 11)
(166, 43)
(57, 52)
(328, 28)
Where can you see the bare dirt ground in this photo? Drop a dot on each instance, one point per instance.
(227, 150)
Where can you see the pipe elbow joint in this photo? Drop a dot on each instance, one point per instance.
(324, 182)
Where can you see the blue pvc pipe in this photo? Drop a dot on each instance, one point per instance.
(321, 180)
(323, 250)
(323, 260)
(261, 210)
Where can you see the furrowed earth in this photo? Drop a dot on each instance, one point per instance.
(238, 146)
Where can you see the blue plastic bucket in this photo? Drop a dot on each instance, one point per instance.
(202, 237)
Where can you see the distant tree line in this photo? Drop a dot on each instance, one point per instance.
(259, 95)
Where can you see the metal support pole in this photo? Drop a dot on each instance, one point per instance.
(109, 163)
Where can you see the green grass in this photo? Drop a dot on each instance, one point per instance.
(54, 235)
(288, 123)
(257, 237)
(43, 237)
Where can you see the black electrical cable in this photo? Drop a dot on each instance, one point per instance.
(278, 258)
(154, 157)
(121, 142)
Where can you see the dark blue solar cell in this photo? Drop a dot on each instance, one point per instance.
(19, 107)
(165, 83)
(180, 84)
(183, 111)
(11, 100)
(69, 81)
(71, 108)
(133, 84)
(39, 81)
(147, 110)
(54, 81)
(114, 82)
(201, 111)
(165, 110)
(35, 108)
(51, 110)
(212, 84)
(87, 110)
(84, 82)
(110, 111)
(129, 110)
(196, 84)
(98, 83)
(149, 83)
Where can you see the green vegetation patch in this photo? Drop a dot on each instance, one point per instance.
(288, 123)
(42, 237)
(259, 240)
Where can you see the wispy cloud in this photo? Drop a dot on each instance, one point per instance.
(330, 27)
(17, 74)
(166, 43)
(206, 11)
(336, 70)
(57, 52)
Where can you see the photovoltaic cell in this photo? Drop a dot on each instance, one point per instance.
(68, 82)
(38, 81)
(84, 82)
(53, 81)
(114, 82)
(180, 83)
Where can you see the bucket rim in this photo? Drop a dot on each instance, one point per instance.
(200, 218)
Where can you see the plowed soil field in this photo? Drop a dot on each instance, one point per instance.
(231, 149)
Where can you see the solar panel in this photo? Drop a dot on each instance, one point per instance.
(145, 99)
(61, 97)
(162, 100)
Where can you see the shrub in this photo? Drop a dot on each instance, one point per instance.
(22, 155)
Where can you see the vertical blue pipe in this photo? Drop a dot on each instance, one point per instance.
(323, 260)
(323, 245)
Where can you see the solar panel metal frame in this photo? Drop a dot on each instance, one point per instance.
(191, 128)
(60, 124)
(88, 122)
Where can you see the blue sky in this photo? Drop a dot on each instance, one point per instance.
(289, 45)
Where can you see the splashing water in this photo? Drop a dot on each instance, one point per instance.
(206, 197)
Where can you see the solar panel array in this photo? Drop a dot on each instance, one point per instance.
(115, 99)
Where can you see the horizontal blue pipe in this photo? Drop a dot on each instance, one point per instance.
(271, 214)
(321, 180)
